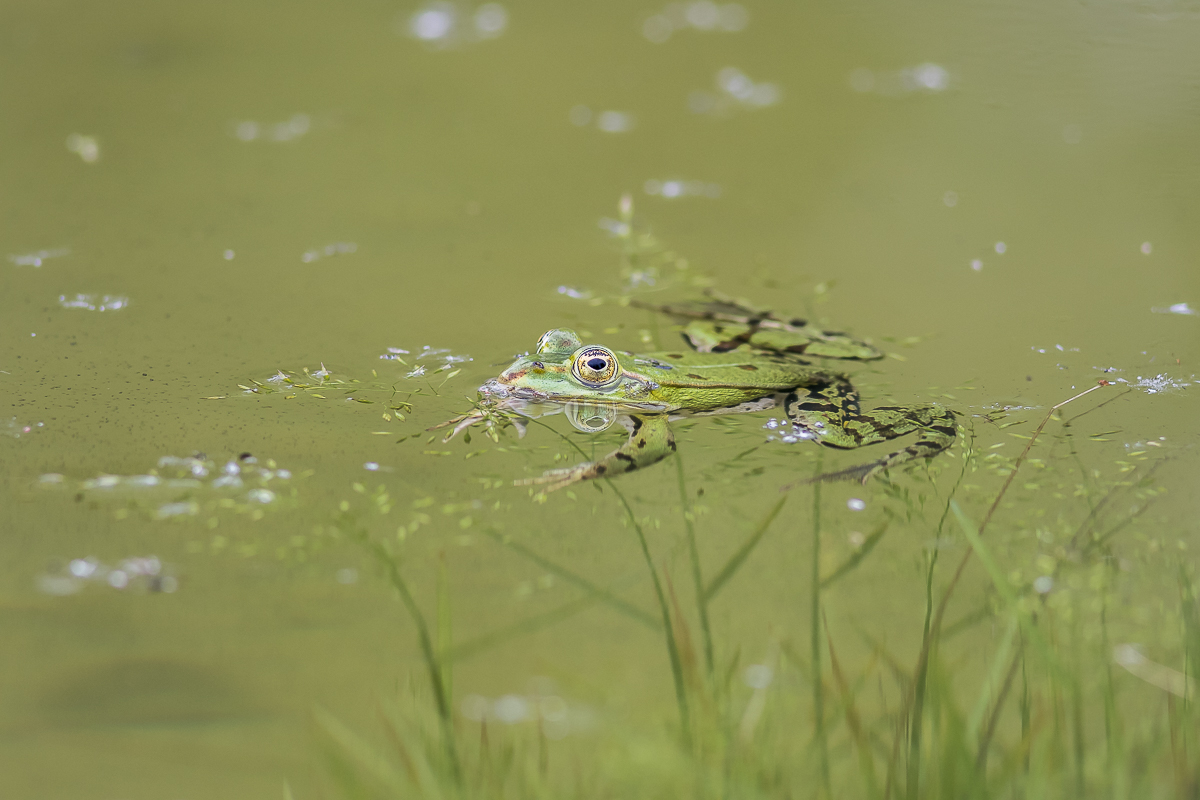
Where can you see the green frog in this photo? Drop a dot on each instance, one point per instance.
(741, 359)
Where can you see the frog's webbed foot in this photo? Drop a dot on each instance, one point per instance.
(650, 440)
(830, 414)
(554, 479)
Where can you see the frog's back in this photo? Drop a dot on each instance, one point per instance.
(702, 381)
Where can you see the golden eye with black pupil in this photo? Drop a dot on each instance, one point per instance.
(594, 366)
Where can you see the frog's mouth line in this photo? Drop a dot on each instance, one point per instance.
(500, 392)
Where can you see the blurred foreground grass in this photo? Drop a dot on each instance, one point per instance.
(1061, 710)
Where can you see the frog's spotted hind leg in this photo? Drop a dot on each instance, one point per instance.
(650, 441)
(830, 413)
(721, 324)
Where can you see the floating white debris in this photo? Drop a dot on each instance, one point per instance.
(1147, 248)
(286, 131)
(606, 121)
(1177, 308)
(444, 24)
(346, 576)
(83, 567)
(1000, 247)
(442, 354)
(143, 571)
(615, 121)
(94, 302)
(614, 228)
(788, 432)
(573, 293)
(950, 199)
(735, 90)
(18, 429)
(335, 249)
(977, 265)
(855, 504)
(186, 487)
(927, 77)
(263, 496)
(491, 20)
(673, 188)
(1043, 584)
(1157, 384)
(702, 15)
(228, 255)
(86, 147)
(187, 509)
(36, 259)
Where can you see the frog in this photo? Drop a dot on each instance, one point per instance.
(738, 359)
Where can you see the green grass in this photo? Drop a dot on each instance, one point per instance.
(996, 684)
(1017, 698)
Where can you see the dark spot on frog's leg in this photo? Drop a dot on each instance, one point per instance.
(748, 367)
(636, 422)
(601, 469)
(641, 444)
(813, 405)
(674, 355)
(625, 456)
(671, 444)
(694, 376)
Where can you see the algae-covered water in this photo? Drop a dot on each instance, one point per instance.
(254, 250)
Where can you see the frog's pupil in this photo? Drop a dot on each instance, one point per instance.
(597, 364)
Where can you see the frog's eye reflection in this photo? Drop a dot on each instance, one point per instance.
(595, 366)
(591, 418)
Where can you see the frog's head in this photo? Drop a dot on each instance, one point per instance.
(563, 369)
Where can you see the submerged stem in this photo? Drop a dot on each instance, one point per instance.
(697, 576)
(669, 628)
(815, 615)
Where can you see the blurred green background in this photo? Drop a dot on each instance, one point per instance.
(1002, 194)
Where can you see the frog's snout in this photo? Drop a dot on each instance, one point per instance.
(513, 374)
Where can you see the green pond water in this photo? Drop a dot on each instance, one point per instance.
(1003, 195)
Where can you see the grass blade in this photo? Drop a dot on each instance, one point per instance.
(742, 553)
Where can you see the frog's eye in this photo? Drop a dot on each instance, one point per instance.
(558, 341)
(594, 366)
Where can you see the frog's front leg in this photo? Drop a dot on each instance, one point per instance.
(829, 412)
(650, 441)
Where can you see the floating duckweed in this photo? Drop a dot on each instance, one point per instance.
(146, 572)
